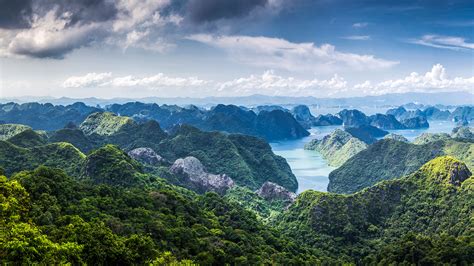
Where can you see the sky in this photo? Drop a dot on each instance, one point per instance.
(199, 48)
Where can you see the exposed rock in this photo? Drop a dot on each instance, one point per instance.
(458, 173)
(193, 175)
(271, 191)
(303, 115)
(146, 155)
(396, 137)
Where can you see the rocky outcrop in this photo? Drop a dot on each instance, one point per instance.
(271, 192)
(303, 115)
(146, 156)
(192, 174)
(458, 173)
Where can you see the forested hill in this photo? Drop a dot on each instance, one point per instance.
(423, 218)
(248, 160)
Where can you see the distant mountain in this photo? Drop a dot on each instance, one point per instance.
(44, 116)
(395, 99)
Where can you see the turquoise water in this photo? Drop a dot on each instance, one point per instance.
(309, 167)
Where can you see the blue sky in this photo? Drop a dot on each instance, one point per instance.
(200, 48)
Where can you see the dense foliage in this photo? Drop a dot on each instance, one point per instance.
(424, 218)
(248, 160)
(49, 217)
(389, 159)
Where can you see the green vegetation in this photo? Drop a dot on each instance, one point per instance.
(337, 147)
(69, 220)
(430, 137)
(28, 138)
(9, 130)
(423, 218)
(248, 160)
(249, 200)
(104, 124)
(389, 159)
(62, 155)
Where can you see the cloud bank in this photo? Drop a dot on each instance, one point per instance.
(269, 83)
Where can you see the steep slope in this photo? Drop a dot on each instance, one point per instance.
(430, 137)
(376, 224)
(9, 130)
(62, 155)
(104, 123)
(389, 159)
(337, 147)
(28, 138)
(110, 165)
(248, 160)
(277, 124)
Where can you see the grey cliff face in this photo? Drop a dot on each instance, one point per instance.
(146, 155)
(272, 191)
(193, 175)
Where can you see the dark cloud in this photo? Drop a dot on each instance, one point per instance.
(15, 14)
(211, 10)
(82, 11)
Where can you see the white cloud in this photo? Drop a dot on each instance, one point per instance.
(435, 80)
(358, 37)
(360, 25)
(279, 53)
(107, 80)
(271, 84)
(444, 42)
(88, 80)
(159, 80)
